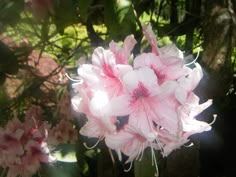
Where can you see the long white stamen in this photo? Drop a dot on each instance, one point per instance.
(141, 156)
(112, 157)
(195, 59)
(150, 124)
(214, 119)
(93, 145)
(155, 161)
(160, 146)
(139, 153)
(74, 80)
(190, 145)
(130, 166)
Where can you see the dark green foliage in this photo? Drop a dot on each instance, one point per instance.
(119, 18)
(65, 14)
(10, 11)
(84, 9)
(8, 60)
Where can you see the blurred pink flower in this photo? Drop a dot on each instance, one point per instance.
(62, 133)
(34, 112)
(23, 145)
(64, 109)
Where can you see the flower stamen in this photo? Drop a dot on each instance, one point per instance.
(214, 119)
(130, 167)
(195, 59)
(154, 161)
(93, 145)
(74, 80)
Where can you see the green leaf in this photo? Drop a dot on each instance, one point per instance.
(10, 11)
(3, 95)
(65, 14)
(8, 60)
(60, 169)
(2, 80)
(119, 18)
(65, 153)
(83, 8)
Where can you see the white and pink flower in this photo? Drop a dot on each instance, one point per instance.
(155, 93)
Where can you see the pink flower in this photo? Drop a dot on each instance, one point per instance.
(186, 84)
(128, 141)
(38, 152)
(151, 38)
(34, 112)
(64, 107)
(10, 138)
(99, 122)
(80, 103)
(98, 127)
(104, 73)
(144, 101)
(23, 146)
(165, 67)
(64, 132)
(188, 113)
(96, 107)
(97, 110)
(151, 109)
(169, 142)
(150, 104)
(100, 82)
(122, 54)
(166, 51)
(24, 169)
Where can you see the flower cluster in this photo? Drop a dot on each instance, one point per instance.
(149, 103)
(63, 133)
(23, 146)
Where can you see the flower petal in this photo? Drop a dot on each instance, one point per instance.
(133, 78)
(171, 50)
(120, 106)
(122, 54)
(151, 37)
